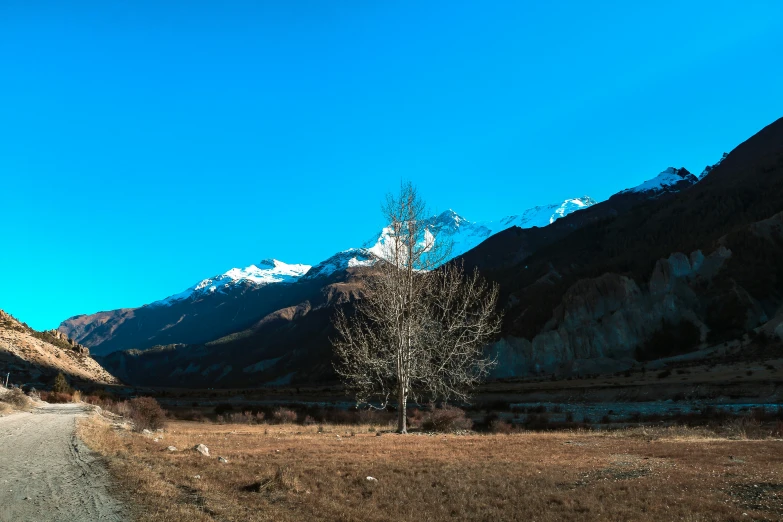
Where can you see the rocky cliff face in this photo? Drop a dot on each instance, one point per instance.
(78, 348)
(601, 322)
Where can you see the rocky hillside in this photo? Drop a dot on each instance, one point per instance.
(34, 358)
(679, 273)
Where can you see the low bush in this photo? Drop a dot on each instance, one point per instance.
(501, 426)
(146, 413)
(746, 428)
(246, 417)
(56, 397)
(189, 415)
(777, 431)
(416, 418)
(284, 416)
(447, 418)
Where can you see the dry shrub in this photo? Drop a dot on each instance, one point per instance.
(17, 399)
(277, 486)
(77, 396)
(284, 416)
(189, 415)
(246, 417)
(369, 416)
(121, 408)
(104, 401)
(777, 431)
(416, 418)
(56, 397)
(745, 428)
(146, 413)
(445, 419)
(500, 426)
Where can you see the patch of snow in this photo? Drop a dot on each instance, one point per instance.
(664, 181)
(463, 234)
(466, 235)
(353, 257)
(267, 272)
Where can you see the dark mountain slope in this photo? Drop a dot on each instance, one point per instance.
(184, 321)
(746, 187)
(288, 346)
(510, 247)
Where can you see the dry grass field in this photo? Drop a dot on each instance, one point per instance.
(292, 473)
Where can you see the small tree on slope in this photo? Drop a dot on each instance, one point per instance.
(61, 384)
(421, 327)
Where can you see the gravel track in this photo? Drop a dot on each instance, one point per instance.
(47, 474)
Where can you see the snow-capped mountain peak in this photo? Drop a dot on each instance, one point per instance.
(464, 234)
(267, 271)
(449, 217)
(671, 179)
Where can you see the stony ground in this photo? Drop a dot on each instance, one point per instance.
(292, 473)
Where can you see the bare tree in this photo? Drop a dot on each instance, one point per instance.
(421, 327)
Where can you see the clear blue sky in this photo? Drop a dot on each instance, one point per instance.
(147, 145)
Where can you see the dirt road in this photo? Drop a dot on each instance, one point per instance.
(47, 474)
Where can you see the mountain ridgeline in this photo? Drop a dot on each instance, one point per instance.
(678, 264)
(237, 299)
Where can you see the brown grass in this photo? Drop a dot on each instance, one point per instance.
(292, 473)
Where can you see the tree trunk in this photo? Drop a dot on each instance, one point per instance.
(402, 412)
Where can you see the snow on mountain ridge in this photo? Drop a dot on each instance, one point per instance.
(350, 258)
(466, 235)
(664, 181)
(267, 271)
